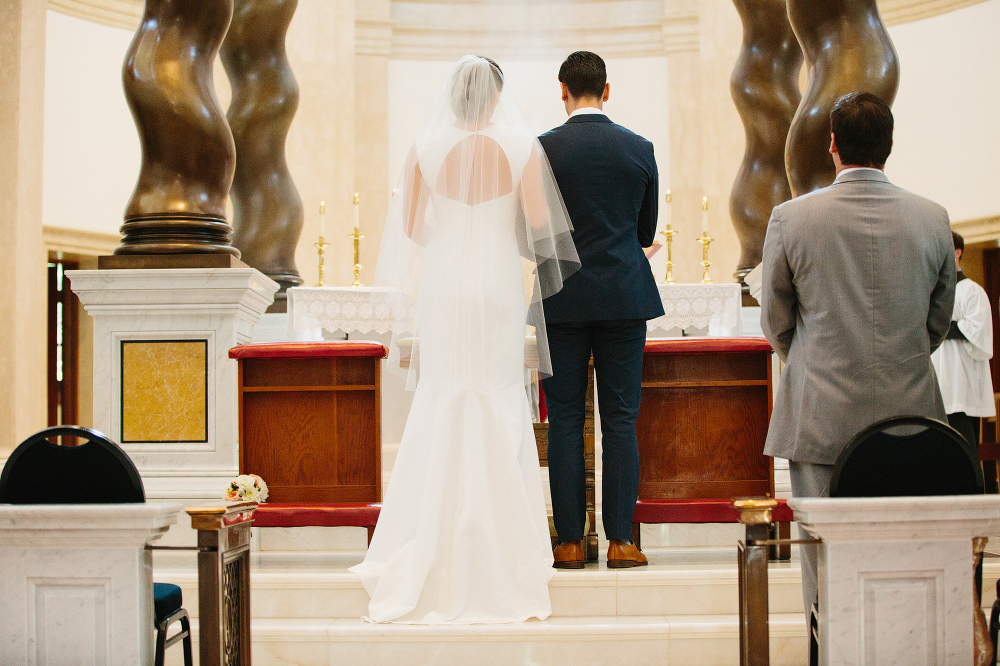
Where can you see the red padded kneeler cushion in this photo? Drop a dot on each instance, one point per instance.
(702, 344)
(331, 349)
(347, 514)
(698, 511)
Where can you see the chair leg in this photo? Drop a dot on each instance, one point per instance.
(371, 533)
(161, 644)
(186, 628)
(995, 624)
(637, 535)
(814, 636)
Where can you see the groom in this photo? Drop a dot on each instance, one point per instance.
(608, 180)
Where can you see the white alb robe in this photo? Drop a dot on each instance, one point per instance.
(963, 366)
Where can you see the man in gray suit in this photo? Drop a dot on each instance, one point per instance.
(857, 291)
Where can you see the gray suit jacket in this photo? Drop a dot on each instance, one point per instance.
(858, 289)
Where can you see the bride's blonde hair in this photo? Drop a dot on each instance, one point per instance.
(474, 93)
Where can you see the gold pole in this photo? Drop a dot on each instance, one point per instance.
(357, 236)
(669, 235)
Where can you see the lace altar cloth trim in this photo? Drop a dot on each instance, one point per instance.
(344, 309)
(713, 306)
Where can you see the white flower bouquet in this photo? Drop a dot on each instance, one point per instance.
(247, 488)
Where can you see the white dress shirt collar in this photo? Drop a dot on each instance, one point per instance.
(585, 110)
(853, 169)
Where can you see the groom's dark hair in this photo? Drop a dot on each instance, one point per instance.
(584, 74)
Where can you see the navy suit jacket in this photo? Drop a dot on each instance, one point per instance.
(607, 176)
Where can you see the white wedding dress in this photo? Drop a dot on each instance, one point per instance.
(463, 535)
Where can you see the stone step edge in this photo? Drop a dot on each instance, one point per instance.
(653, 627)
(318, 580)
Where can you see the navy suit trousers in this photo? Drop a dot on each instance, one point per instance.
(617, 348)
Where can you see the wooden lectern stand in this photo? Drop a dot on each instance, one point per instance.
(706, 404)
(309, 420)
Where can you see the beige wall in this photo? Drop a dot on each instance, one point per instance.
(23, 273)
(947, 138)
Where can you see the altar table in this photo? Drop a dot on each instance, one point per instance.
(309, 419)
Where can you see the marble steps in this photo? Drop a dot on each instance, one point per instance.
(682, 609)
(592, 592)
(706, 640)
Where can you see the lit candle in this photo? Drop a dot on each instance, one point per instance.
(704, 215)
(357, 219)
(670, 211)
(322, 219)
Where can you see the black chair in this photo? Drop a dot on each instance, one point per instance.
(39, 471)
(932, 458)
(928, 457)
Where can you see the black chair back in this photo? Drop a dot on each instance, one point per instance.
(934, 460)
(95, 472)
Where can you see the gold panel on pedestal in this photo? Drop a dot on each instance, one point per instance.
(164, 391)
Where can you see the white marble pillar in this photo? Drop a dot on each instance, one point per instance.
(76, 582)
(164, 385)
(895, 576)
(22, 271)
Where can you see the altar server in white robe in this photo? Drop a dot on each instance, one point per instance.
(962, 362)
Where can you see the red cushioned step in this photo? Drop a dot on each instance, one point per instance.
(326, 349)
(698, 511)
(705, 345)
(347, 514)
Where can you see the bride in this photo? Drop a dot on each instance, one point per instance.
(476, 236)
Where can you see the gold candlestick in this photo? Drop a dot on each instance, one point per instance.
(669, 235)
(320, 245)
(705, 240)
(357, 236)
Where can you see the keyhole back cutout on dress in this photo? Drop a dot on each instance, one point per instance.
(475, 171)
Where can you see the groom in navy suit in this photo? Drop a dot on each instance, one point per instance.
(607, 176)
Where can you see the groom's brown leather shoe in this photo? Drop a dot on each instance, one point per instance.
(622, 555)
(568, 555)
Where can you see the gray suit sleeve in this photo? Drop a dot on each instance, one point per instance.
(942, 304)
(779, 302)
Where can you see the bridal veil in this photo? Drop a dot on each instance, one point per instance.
(474, 150)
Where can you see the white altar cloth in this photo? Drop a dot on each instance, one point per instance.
(712, 306)
(350, 309)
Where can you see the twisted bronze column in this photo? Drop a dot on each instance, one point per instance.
(179, 202)
(847, 49)
(765, 87)
(267, 210)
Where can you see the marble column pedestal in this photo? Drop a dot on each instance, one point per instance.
(76, 582)
(164, 386)
(895, 576)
